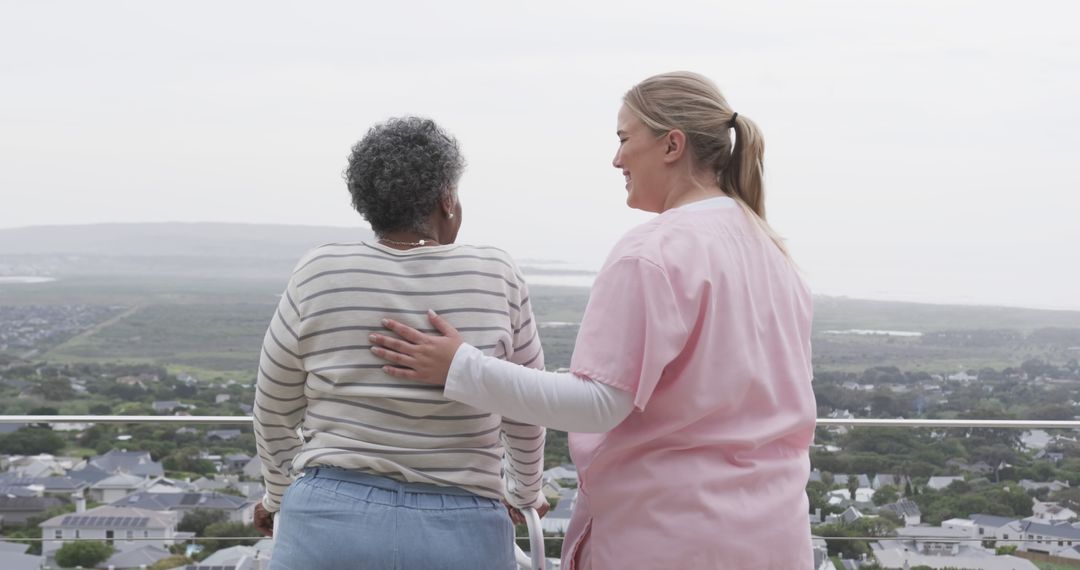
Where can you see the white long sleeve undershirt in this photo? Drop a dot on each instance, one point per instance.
(558, 400)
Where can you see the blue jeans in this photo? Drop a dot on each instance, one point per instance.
(339, 519)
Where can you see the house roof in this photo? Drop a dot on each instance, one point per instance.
(1056, 530)
(932, 533)
(9, 504)
(134, 462)
(11, 428)
(120, 481)
(139, 557)
(16, 547)
(253, 467)
(50, 484)
(113, 517)
(565, 508)
(896, 558)
(229, 556)
(90, 474)
(904, 508)
(18, 561)
(17, 491)
(223, 433)
(992, 520)
(175, 501)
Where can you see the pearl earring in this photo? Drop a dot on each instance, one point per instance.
(450, 216)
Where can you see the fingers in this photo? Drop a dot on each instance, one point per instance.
(405, 331)
(397, 372)
(395, 357)
(515, 514)
(442, 325)
(397, 345)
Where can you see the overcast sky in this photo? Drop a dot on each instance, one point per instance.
(916, 150)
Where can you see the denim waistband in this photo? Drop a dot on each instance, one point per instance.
(381, 482)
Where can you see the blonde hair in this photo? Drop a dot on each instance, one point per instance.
(693, 104)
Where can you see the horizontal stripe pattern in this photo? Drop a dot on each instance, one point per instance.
(322, 397)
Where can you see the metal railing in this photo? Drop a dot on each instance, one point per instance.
(821, 422)
(535, 560)
(536, 538)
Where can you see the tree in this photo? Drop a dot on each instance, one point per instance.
(55, 390)
(187, 459)
(197, 520)
(87, 554)
(101, 410)
(221, 529)
(31, 441)
(885, 495)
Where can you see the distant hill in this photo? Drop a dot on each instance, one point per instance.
(260, 241)
(198, 250)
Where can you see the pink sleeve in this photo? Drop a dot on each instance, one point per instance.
(631, 330)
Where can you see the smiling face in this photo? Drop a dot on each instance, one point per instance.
(641, 159)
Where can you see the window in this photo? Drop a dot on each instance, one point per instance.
(109, 535)
(146, 534)
(58, 534)
(1005, 537)
(130, 534)
(981, 531)
(77, 534)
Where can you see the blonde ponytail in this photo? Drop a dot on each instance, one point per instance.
(691, 103)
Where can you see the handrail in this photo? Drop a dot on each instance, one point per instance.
(536, 536)
(821, 422)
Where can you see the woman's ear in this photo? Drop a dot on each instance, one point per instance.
(675, 145)
(448, 203)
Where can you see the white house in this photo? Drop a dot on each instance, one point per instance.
(963, 377)
(1048, 538)
(1050, 512)
(906, 510)
(119, 526)
(933, 540)
(1035, 439)
(902, 558)
(563, 473)
(116, 487)
(881, 479)
(965, 526)
(939, 483)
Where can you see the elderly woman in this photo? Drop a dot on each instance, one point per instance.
(388, 473)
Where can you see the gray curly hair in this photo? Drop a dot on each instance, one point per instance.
(400, 170)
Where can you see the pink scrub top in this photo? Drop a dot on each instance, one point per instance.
(704, 321)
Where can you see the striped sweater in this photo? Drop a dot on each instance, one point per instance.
(317, 372)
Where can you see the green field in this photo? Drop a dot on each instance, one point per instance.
(215, 327)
